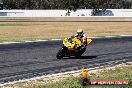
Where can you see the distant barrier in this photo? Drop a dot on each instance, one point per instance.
(65, 19)
(43, 13)
(64, 13)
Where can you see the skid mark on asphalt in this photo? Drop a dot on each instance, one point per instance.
(19, 64)
(117, 60)
(79, 62)
(38, 72)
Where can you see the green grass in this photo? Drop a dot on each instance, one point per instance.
(73, 82)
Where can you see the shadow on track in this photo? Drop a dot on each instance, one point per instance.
(82, 57)
(87, 57)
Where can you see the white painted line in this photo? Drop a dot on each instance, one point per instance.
(23, 42)
(129, 62)
(110, 36)
(46, 76)
(95, 37)
(26, 41)
(9, 42)
(61, 39)
(56, 39)
(126, 35)
(41, 40)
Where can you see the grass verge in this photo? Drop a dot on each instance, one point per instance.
(23, 31)
(122, 72)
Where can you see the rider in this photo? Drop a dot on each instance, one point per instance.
(82, 37)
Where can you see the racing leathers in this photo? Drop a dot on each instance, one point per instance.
(83, 39)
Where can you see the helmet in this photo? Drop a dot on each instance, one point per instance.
(80, 32)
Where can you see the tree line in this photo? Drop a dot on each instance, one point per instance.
(67, 4)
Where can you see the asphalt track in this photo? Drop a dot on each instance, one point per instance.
(27, 60)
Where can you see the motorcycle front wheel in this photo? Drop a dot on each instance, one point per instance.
(60, 53)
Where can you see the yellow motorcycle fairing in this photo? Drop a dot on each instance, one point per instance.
(71, 46)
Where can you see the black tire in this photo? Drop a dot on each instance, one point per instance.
(60, 53)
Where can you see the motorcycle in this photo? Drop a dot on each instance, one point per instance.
(71, 47)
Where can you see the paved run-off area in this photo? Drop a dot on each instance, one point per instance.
(25, 31)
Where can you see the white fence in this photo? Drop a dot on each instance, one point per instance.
(42, 13)
(62, 13)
